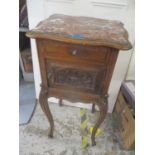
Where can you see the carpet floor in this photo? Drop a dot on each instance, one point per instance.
(67, 134)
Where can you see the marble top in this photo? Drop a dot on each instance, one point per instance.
(82, 30)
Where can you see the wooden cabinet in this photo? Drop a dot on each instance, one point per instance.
(77, 56)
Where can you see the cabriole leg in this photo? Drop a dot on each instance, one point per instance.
(45, 107)
(103, 106)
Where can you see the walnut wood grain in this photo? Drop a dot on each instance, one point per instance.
(75, 52)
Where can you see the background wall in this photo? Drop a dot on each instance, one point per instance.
(122, 10)
(131, 70)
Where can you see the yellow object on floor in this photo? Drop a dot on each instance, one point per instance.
(84, 128)
(98, 132)
(85, 142)
(82, 112)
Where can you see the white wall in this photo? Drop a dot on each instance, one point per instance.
(131, 69)
(122, 10)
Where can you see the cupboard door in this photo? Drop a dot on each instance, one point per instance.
(75, 77)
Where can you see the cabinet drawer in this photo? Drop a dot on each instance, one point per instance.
(74, 52)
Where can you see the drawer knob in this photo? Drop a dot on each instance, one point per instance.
(74, 52)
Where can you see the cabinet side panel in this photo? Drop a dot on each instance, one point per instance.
(111, 61)
(41, 56)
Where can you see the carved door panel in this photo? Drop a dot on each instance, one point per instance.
(75, 77)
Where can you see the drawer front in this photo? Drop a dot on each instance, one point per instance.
(74, 52)
(75, 77)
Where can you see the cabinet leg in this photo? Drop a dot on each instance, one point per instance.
(103, 106)
(45, 107)
(93, 108)
(60, 102)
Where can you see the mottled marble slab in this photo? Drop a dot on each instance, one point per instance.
(84, 30)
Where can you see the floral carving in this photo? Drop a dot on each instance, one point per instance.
(73, 77)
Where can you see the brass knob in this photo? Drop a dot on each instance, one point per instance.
(74, 52)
